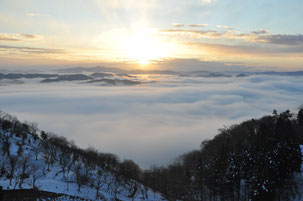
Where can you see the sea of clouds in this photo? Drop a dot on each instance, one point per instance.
(151, 123)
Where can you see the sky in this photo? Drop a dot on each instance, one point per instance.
(142, 34)
(155, 122)
(151, 123)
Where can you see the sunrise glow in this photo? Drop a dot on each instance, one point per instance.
(143, 47)
(145, 32)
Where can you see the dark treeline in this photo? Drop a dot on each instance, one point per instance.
(254, 160)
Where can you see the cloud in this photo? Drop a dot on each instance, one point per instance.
(208, 1)
(37, 15)
(198, 25)
(18, 37)
(153, 123)
(260, 36)
(261, 31)
(194, 33)
(30, 36)
(224, 27)
(9, 37)
(281, 39)
(178, 25)
(20, 49)
(186, 65)
(112, 9)
(252, 50)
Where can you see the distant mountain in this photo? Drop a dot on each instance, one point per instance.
(92, 78)
(110, 76)
(205, 74)
(96, 69)
(28, 76)
(101, 75)
(126, 75)
(295, 73)
(213, 75)
(99, 69)
(242, 75)
(73, 77)
(160, 72)
(238, 74)
(115, 82)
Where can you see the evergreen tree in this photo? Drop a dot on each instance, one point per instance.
(300, 117)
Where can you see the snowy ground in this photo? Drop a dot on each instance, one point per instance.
(53, 180)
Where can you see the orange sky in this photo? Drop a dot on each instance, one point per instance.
(148, 32)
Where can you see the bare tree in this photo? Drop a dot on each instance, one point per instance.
(80, 176)
(33, 127)
(130, 172)
(20, 149)
(36, 173)
(50, 154)
(47, 160)
(12, 166)
(88, 166)
(36, 151)
(64, 161)
(99, 182)
(115, 186)
(25, 169)
(5, 146)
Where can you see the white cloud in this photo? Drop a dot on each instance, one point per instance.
(8, 37)
(224, 27)
(19, 37)
(208, 1)
(178, 25)
(211, 34)
(198, 25)
(151, 123)
(37, 15)
(125, 4)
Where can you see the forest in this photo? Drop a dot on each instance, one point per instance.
(254, 160)
(257, 159)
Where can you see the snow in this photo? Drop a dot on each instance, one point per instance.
(53, 180)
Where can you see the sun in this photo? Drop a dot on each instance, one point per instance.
(143, 46)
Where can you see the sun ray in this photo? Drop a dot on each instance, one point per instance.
(143, 46)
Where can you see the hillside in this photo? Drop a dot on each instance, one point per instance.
(33, 159)
(259, 159)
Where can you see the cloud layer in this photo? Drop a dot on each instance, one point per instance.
(151, 123)
(259, 36)
(17, 37)
(32, 50)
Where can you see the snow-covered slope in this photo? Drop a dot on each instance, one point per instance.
(28, 162)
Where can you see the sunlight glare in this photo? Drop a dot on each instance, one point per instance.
(142, 46)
